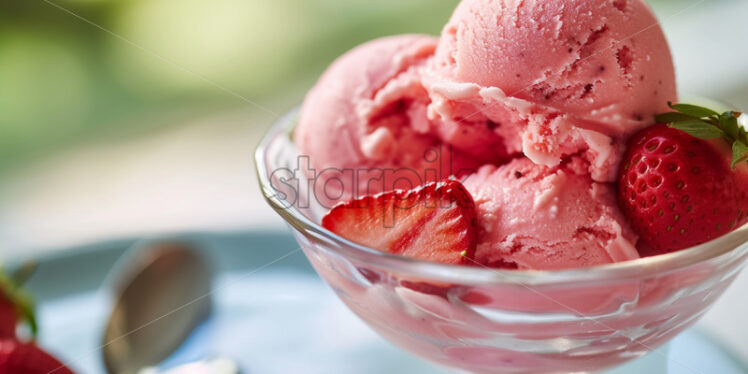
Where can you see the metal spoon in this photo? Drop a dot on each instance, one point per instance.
(161, 293)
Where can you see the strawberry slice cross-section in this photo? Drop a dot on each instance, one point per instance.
(435, 222)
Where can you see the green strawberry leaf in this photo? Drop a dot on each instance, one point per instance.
(22, 274)
(729, 124)
(693, 110)
(672, 117)
(698, 129)
(742, 126)
(23, 302)
(26, 309)
(704, 123)
(739, 152)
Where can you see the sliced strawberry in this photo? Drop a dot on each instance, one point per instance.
(435, 222)
(678, 191)
(27, 358)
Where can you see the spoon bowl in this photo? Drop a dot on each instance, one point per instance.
(161, 293)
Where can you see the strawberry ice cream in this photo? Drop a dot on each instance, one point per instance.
(543, 113)
(368, 114)
(529, 103)
(563, 76)
(537, 217)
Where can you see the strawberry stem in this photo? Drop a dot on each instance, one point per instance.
(705, 123)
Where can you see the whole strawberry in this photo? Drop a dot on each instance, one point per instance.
(27, 358)
(679, 190)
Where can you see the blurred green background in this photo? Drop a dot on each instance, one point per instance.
(64, 81)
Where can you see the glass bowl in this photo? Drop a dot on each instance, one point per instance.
(504, 321)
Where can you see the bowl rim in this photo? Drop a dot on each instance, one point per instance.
(735, 242)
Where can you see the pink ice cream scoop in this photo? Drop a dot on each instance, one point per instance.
(553, 78)
(547, 218)
(538, 96)
(364, 125)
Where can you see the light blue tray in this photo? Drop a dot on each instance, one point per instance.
(282, 319)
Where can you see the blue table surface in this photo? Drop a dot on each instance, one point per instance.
(281, 319)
